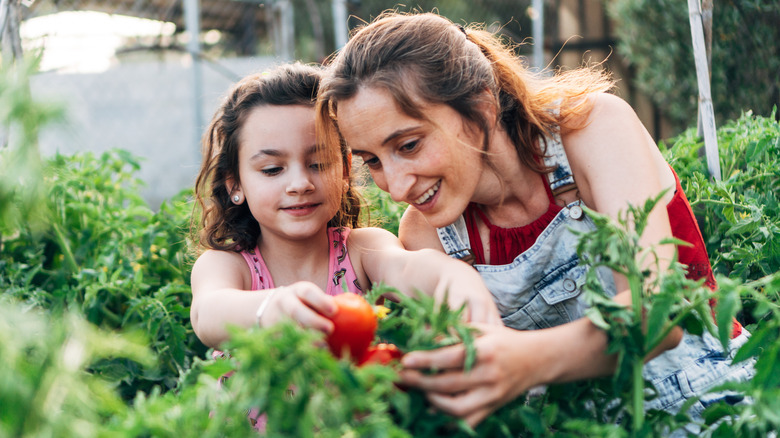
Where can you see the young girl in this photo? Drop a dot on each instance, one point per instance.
(280, 222)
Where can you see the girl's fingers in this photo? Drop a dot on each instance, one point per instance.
(294, 303)
(306, 317)
(485, 313)
(315, 298)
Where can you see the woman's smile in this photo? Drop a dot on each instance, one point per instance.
(428, 196)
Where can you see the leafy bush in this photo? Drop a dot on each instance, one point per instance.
(745, 65)
(95, 335)
(106, 255)
(739, 216)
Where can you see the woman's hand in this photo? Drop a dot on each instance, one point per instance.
(304, 302)
(508, 364)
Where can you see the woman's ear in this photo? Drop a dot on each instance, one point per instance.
(488, 106)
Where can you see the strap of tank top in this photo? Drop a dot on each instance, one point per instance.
(561, 178)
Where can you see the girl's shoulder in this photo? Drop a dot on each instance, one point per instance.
(372, 238)
(228, 265)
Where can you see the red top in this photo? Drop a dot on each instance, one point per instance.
(507, 243)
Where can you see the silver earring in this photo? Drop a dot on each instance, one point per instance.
(236, 198)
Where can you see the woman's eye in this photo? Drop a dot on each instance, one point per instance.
(409, 146)
(372, 162)
(318, 167)
(271, 171)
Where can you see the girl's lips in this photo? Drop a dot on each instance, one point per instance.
(301, 209)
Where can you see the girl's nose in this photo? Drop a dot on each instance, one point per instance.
(300, 182)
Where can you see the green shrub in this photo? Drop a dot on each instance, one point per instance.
(106, 255)
(739, 216)
(655, 38)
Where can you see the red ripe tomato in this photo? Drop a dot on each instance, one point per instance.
(354, 325)
(381, 353)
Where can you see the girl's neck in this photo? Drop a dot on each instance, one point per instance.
(290, 261)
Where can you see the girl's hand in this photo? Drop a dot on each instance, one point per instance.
(507, 365)
(302, 301)
(465, 286)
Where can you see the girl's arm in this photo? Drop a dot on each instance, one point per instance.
(383, 258)
(615, 163)
(221, 297)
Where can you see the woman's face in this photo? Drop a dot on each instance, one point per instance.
(434, 165)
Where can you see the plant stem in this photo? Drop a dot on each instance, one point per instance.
(638, 385)
(638, 396)
(70, 261)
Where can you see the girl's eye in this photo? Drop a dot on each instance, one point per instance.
(318, 167)
(271, 171)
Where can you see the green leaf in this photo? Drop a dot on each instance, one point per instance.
(726, 309)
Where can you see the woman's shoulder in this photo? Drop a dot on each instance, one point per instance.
(598, 108)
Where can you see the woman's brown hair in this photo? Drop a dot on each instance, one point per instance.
(425, 58)
(224, 225)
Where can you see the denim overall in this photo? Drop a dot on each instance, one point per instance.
(542, 286)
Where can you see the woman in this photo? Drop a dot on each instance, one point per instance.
(495, 163)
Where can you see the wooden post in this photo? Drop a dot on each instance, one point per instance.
(705, 100)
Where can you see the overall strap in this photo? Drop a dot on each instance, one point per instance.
(561, 178)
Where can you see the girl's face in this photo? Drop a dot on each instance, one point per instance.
(290, 192)
(434, 165)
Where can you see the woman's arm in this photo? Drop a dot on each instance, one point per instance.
(220, 297)
(383, 258)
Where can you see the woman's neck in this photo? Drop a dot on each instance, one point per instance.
(510, 193)
(290, 261)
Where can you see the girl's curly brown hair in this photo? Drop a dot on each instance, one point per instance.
(224, 225)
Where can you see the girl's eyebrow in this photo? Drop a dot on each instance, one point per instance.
(263, 152)
(279, 153)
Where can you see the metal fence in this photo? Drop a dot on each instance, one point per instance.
(146, 75)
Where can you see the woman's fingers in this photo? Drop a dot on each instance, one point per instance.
(449, 382)
(445, 358)
(473, 406)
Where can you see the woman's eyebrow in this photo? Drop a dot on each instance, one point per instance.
(393, 135)
(397, 133)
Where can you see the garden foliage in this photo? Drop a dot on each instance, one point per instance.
(95, 337)
(745, 61)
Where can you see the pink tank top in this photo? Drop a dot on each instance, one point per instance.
(341, 274)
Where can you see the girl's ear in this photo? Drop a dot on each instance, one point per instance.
(234, 191)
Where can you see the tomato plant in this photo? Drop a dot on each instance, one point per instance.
(354, 326)
(381, 353)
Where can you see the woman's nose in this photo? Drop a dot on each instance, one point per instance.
(398, 182)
